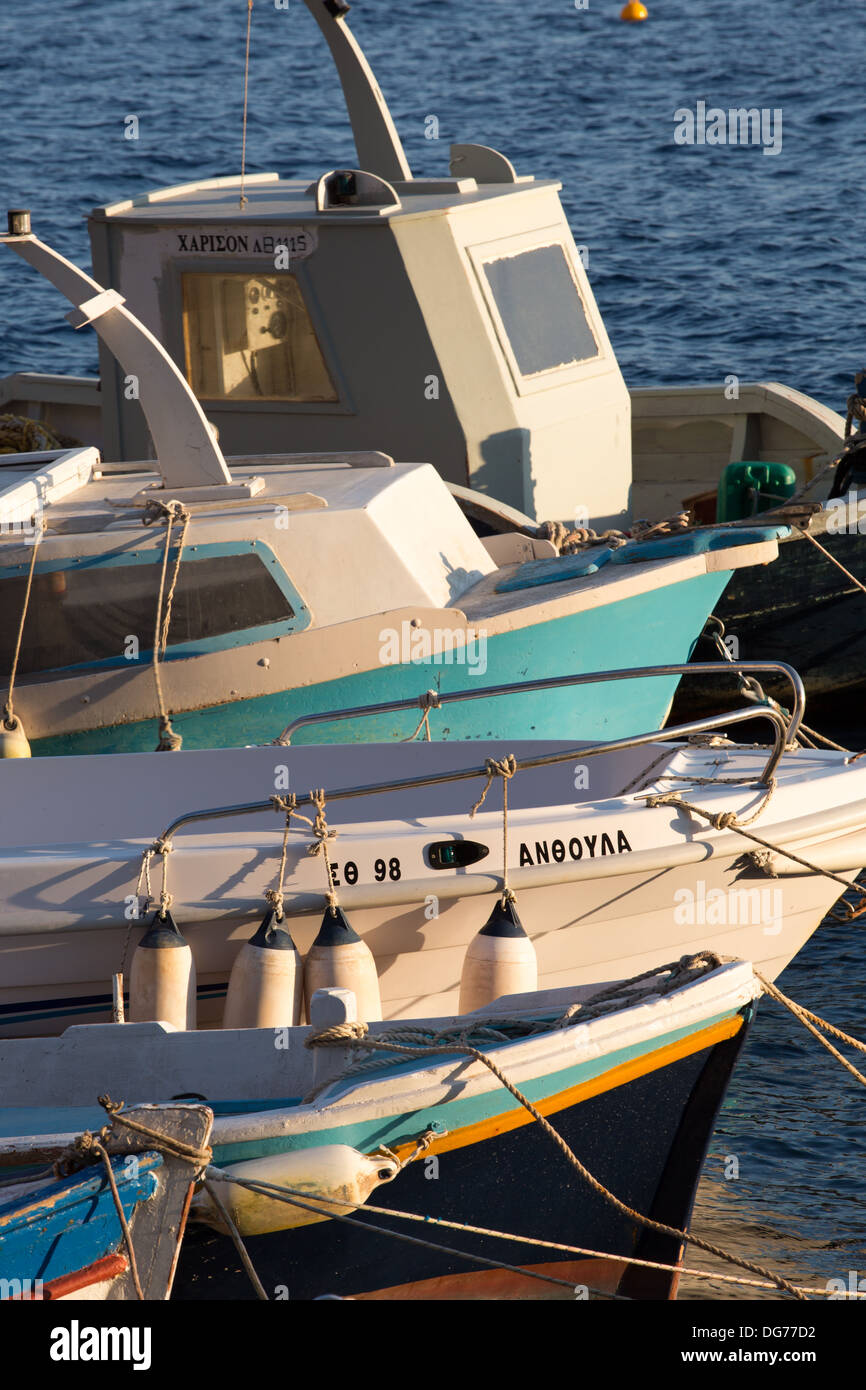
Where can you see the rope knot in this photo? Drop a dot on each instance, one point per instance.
(429, 700)
(495, 767)
(338, 1035)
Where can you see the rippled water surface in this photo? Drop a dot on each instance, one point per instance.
(705, 261)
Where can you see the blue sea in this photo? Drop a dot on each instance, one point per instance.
(705, 259)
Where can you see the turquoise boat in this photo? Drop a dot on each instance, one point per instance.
(181, 601)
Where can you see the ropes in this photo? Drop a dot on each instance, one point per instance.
(808, 1020)
(89, 1146)
(174, 512)
(504, 768)
(727, 820)
(9, 720)
(466, 1049)
(569, 542)
(19, 434)
(243, 198)
(121, 1216)
(512, 1027)
(833, 561)
(237, 1239)
(287, 1193)
(429, 700)
(215, 1175)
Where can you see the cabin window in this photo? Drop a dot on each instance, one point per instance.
(85, 614)
(541, 310)
(250, 337)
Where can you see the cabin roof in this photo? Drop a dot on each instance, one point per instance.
(271, 197)
(334, 484)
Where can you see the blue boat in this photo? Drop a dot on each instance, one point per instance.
(73, 1231)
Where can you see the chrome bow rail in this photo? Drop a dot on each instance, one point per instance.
(552, 682)
(783, 731)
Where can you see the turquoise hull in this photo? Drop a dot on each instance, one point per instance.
(656, 628)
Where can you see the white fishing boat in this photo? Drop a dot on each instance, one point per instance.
(610, 869)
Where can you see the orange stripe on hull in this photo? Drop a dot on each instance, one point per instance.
(608, 1081)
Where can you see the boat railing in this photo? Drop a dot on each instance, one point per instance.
(438, 700)
(707, 725)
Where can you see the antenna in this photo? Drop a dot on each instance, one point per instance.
(376, 139)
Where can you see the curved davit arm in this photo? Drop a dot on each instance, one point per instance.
(376, 139)
(186, 449)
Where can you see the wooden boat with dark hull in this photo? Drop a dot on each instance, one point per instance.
(630, 1076)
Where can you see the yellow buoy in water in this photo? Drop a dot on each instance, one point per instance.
(634, 10)
(13, 740)
(338, 958)
(267, 980)
(499, 960)
(162, 979)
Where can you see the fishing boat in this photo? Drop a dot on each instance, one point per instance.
(106, 1220)
(608, 866)
(234, 600)
(321, 1152)
(452, 319)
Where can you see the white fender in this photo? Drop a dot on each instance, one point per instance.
(499, 960)
(162, 978)
(266, 984)
(326, 1171)
(338, 958)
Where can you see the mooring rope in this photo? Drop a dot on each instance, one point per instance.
(659, 1227)
(281, 1193)
(174, 512)
(809, 1020)
(727, 820)
(832, 558)
(100, 1151)
(237, 1238)
(9, 720)
(217, 1175)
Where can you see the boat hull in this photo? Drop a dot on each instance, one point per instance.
(605, 888)
(61, 1237)
(642, 1129)
(656, 627)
